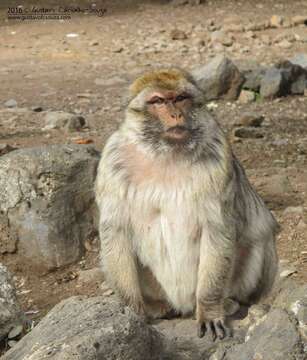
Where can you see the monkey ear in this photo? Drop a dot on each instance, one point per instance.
(137, 103)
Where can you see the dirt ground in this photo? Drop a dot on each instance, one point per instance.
(88, 73)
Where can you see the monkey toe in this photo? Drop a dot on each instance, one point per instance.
(216, 329)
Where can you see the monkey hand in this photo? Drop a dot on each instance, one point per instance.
(211, 321)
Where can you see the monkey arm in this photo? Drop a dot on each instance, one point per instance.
(217, 253)
(118, 259)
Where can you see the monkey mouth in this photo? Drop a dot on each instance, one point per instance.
(177, 134)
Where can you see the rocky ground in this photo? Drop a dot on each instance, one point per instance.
(83, 66)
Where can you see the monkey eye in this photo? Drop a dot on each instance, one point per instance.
(182, 97)
(156, 100)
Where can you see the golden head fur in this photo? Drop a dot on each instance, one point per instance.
(163, 78)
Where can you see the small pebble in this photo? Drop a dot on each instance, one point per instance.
(11, 103)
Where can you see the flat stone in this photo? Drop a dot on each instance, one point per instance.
(249, 119)
(11, 103)
(248, 132)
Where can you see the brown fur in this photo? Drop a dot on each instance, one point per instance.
(162, 78)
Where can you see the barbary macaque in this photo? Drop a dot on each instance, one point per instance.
(182, 230)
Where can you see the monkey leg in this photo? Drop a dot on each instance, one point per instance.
(213, 282)
(119, 266)
(255, 272)
(268, 272)
(156, 304)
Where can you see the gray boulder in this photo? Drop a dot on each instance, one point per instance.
(219, 79)
(10, 312)
(286, 78)
(90, 329)
(274, 337)
(295, 77)
(272, 84)
(253, 79)
(47, 202)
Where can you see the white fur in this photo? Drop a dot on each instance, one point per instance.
(167, 241)
(166, 204)
(165, 213)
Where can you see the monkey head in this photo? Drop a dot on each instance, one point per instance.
(163, 109)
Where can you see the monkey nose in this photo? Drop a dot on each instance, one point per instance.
(177, 116)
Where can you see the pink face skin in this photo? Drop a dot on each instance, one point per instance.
(171, 109)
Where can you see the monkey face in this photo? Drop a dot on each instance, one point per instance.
(171, 111)
(169, 123)
(166, 111)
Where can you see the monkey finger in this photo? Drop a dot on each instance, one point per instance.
(201, 329)
(212, 330)
(222, 330)
(219, 329)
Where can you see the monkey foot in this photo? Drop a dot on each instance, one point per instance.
(215, 328)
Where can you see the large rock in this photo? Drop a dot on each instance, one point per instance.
(295, 77)
(91, 329)
(10, 312)
(275, 337)
(47, 202)
(219, 79)
(286, 78)
(272, 84)
(253, 78)
(100, 328)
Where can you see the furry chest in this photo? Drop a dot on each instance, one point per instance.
(167, 240)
